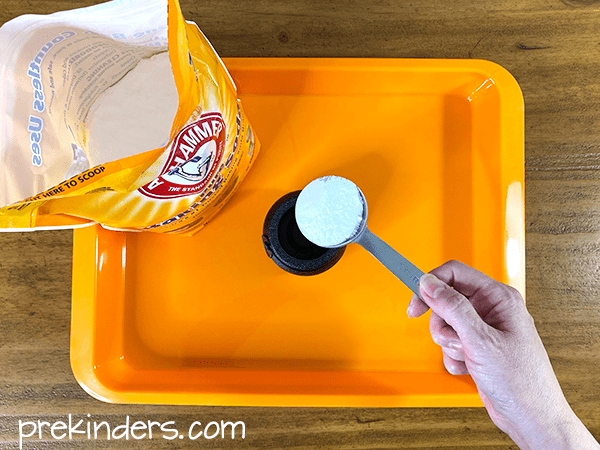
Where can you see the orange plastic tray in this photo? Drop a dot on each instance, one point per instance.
(437, 148)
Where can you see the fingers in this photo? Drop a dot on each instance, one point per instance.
(462, 277)
(416, 307)
(442, 333)
(501, 305)
(452, 307)
(444, 336)
(465, 279)
(454, 353)
(455, 367)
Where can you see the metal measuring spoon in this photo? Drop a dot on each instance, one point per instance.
(320, 207)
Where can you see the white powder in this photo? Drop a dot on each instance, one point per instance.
(134, 115)
(329, 210)
(79, 163)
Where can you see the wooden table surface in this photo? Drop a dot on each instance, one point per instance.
(552, 48)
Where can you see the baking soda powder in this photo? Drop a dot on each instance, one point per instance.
(329, 211)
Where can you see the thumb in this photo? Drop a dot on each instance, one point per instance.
(456, 310)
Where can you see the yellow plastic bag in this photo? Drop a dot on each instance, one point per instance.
(56, 68)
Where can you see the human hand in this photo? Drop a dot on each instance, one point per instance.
(485, 330)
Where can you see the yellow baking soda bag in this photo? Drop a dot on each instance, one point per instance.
(120, 114)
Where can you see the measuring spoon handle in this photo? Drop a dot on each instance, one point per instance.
(406, 271)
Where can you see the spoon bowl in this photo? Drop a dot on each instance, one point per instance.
(320, 208)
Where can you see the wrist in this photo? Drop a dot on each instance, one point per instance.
(558, 429)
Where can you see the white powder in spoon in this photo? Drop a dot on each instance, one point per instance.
(134, 115)
(329, 211)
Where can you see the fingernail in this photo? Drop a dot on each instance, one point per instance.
(409, 311)
(430, 284)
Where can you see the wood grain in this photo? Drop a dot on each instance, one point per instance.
(552, 48)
